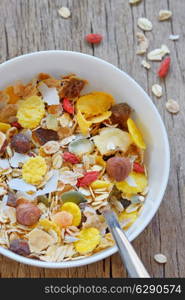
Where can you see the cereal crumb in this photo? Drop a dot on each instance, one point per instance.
(164, 14)
(160, 258)
(134, 1)
(144, 24)
(145, 64)
(174, 37)
(157, 90)
(172, 106)
(64, 12)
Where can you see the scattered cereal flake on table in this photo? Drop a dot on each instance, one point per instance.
(134, 1)
(160, 258)
(172, 106)
(158, 54)
(145, 64)
(34, 169)
(50, 95)
(164, 14)
(174, 37)
(64, 12)
(142, 43)
(144, 24)
(157, 90)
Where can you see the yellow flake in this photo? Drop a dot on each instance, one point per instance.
(83, 123)
(4, 127)
(89, 238)
(49, 225)
(34, 169)
(31, 112)
(13, 98)
(136, 134)
(100, 118)
(73, 209)
(129, 218)
(140, 180)
(99, 184)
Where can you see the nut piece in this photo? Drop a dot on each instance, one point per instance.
(120, 114)
(118, 168)
(145, 64)
(157, 90)
(64, 12)
(172, 106)
(144, 24)
(27, 214)
(164, 15)
(142, 43)
(20, 247)
(3, 143)
(51, 147)
(134, 1)
(160, 258)
(20, 143)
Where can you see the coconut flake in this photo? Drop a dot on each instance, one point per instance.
(20, 185)
(50, 95)
(4, 164)
(18, 158)
(130, 181)
(5, 200)
(50, 186)
(174, 37)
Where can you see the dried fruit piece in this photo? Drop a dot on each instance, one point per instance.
(3, 143)
(89, 238)
(157, 90)
(118, 168)
(11, 199)
(27, 214)
(144, 24)
(7, 113)
(34, 169)
(4, 126)
(136, 134)
(81, 146)
(73, 209)
(51, 147)
(164, 67)
(42, 136)
(64, 12)
(95, 103)
(63, 219)
(88, 178)
(160, 258)
(94, 38)
(164, 14)
(138, 168)
(120, 114)
(16, 124)
(71, 157)
(71, 87)
(136, 183)
(112, 139)
(73, 196)
(20, 247)
(30, 112)
(172, 106)
(20, 143)
(13, 98)
(68, 106)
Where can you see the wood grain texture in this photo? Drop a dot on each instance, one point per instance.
(32, 25)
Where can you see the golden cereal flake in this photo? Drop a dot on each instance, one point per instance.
(34, 169)
(89, 239)
(31, 112)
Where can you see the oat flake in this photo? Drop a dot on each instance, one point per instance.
(158, 54)
(142, 43)
(172, 106)
(144, 24)
(157, 90)
(134, 1)
(160, 258)
(145, 64)
(164, 15)
(64, 12)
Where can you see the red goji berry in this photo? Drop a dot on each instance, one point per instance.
(68, 106)
(164, 67)
(16, 124)
(71, 157)
(138, 168)
(88, 178)
(93, 38)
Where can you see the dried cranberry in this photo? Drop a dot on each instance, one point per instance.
(20, 247)
(20, 143)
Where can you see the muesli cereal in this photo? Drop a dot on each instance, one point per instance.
(61, 156)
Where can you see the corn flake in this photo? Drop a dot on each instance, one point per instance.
(34, 169)
(73, 209)
(140, 184)
(136, 134)
(89, 238)
(48, 225)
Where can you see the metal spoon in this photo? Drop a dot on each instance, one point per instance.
(128, 255)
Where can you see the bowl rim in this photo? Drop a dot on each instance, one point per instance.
(107, 252)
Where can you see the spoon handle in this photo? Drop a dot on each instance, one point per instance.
(128, 255)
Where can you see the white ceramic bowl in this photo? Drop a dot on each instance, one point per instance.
(104, 77)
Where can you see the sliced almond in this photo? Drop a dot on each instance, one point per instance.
(157, 90)
(144, 24)
(64, 12)
(164, 14)
(172, 106)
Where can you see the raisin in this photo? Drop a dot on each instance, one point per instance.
(71, 87)
(20, 247)
(11, 199)
(20, 143)
(43, 136)
(120, 114)
(118, 168)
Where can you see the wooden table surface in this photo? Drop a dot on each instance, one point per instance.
(33, 25)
